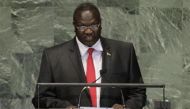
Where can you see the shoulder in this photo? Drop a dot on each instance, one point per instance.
(60, 48)
(121, 48)
(118, 44)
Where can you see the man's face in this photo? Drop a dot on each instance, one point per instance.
(87, 27)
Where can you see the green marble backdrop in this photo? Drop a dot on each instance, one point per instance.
(159, 30)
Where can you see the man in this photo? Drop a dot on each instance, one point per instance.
(89, 58)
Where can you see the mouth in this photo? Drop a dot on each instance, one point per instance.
(88, 37)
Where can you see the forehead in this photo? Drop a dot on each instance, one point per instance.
(87, 15)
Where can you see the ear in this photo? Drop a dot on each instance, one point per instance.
(74, 23)
(100, 27)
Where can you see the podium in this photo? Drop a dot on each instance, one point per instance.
(112, 85)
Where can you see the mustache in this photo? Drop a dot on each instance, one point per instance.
(88, 35)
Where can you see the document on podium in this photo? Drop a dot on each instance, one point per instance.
(95, 108)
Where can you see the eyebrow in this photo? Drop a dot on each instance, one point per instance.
(80, 24)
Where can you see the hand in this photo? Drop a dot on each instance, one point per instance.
(118, 106)
(71, 107)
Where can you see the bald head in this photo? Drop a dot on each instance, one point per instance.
(88, 8)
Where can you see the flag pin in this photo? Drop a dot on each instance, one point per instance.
(109, 54)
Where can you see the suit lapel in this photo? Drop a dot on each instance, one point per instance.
(106, 60)
(106, 68)
(76, 61)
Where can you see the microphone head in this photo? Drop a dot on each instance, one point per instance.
(102, 72)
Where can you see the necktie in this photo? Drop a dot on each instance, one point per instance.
(90, 74)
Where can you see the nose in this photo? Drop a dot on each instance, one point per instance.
(88, 31)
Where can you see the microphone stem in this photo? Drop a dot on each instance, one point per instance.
(79, 99)
(122, 97)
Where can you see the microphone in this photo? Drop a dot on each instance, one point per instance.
(86, 87)
(102, 72)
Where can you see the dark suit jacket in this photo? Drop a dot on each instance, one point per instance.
(62, 64)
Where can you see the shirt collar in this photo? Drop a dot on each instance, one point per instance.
(83, 48)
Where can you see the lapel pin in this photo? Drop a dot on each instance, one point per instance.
(108, 54)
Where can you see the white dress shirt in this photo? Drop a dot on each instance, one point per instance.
(97, 60)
